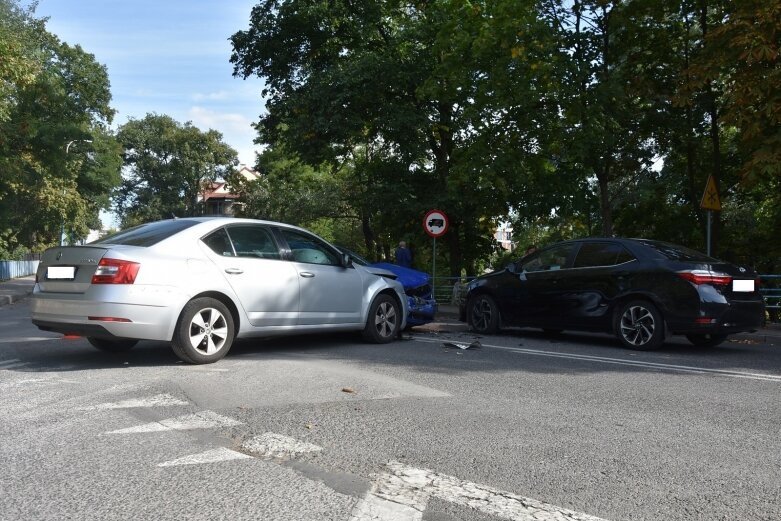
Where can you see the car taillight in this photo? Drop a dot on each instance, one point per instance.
(115, 271)
(705, 277)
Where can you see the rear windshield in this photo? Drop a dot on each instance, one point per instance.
(678, 253)
(147, 234)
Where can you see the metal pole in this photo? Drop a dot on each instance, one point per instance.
(710, 212)
(434, 271)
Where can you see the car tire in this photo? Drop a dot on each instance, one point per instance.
(112, 345)
(482, 314)
(382, 325)
(706, 339)
(639, 325)
(204, 333)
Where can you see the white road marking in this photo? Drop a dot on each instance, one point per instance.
(160, 400)
(634, 363)
(401, 494)
(271, 445)
(200, 420)
(12, 364)
(210, 456)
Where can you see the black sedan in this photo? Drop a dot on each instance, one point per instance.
(640, 290)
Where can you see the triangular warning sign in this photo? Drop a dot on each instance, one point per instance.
(710, 199)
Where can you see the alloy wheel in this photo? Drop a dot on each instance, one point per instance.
(208, 331)
(637, 325)
(385, 319)
(482, 314)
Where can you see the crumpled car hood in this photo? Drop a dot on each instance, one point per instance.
(408, 277)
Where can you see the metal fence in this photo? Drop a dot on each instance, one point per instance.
(770, 287)
(14, 269)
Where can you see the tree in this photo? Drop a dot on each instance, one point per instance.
(410, 96)
(53, 94)
(168, 166)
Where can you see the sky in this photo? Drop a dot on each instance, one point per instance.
(168, 57)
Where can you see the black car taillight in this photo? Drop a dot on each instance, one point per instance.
(115, 271)
(705, 277)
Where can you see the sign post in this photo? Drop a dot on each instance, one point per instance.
(712, 203)
(435, 223)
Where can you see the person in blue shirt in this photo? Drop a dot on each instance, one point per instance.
(403, 255)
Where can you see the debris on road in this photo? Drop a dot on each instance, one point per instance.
(474, 345)
(348, 390)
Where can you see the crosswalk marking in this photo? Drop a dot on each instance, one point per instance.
(401, 494)
(271, 445)
(210, 456)
(159, 400)
(200, 420)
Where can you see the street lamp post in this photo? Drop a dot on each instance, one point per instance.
(67, 150)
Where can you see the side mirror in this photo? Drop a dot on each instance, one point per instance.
(510, 267)
(346, 261)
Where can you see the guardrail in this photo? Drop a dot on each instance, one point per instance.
(771, 294)
(14, 269)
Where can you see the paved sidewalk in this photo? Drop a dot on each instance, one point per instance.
(16, 289)
(447, 317)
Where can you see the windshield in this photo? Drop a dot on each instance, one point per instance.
(358, 259)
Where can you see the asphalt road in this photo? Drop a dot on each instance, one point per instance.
(327, 427)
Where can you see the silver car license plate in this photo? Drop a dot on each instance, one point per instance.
(61, 272)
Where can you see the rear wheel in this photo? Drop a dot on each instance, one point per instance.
(483, 314)
(706, 339)
(112, 345)
(384, 320)
(204, 333)
(639, 325)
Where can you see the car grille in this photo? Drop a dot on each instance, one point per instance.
(423, 291)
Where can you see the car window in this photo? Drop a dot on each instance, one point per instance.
(549, 259)
(592, 254)
(308, 249)
(678, 253)
(147, 234)
(253, 241)
(220, 243)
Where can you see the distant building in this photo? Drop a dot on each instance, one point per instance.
(504, 236)
(218, 200)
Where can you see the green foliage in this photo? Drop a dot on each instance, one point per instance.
(58, 161)
(168, 166)
(577, 118)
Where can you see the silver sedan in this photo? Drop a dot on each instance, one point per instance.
(202, 282)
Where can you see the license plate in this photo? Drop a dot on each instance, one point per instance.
(61, 272)
(743, 285)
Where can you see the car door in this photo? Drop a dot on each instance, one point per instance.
(330, 293)
(594, 281)
(252, 263)
(543, 275)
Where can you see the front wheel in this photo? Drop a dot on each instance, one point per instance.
(483, 314)
(384, 320)
(639, 326)
(112, 345)
(204, 333)
(706, 339)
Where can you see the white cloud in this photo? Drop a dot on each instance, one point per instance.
(211, 96)
(236, 130)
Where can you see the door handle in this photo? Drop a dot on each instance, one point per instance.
(234, 271)
(307, 274)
